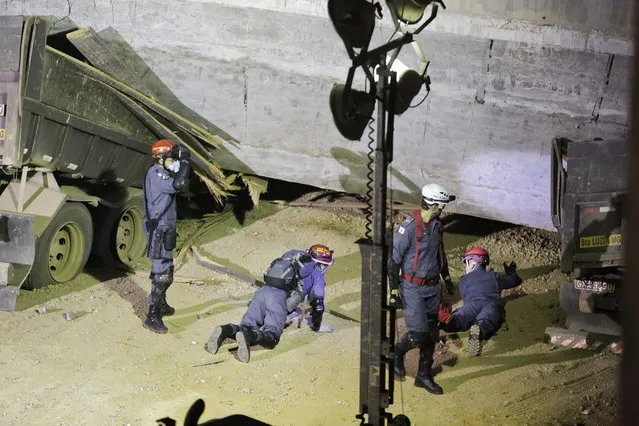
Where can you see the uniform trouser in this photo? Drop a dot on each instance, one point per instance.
(488, 315)
(161, 279)
(421, 305)
(266, 312)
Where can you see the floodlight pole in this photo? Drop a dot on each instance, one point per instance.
(377, 318)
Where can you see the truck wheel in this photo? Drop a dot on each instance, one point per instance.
(63, 248)
(119, 234)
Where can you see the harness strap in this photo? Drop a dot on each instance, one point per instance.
(420, 281)
(419, 234)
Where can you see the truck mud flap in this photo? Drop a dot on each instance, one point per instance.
(17, 252)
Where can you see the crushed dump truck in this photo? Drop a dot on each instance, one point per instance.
(588, 188)
(74, 149)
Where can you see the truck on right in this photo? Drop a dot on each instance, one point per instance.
(588, 193)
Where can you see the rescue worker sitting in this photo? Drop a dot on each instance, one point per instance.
(480, 289)
(169, 174)
(290, 278)
(418, 249)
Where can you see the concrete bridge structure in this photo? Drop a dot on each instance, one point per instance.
(507, 77)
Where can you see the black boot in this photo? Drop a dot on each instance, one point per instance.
(154, 320)
(474, 341)
(424, 378)
(245, 339)
(401, 347)
(165, 308)
(220, 333)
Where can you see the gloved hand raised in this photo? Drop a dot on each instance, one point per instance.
(395, 300)
(184, 154)
(450, 287)
(510, 269)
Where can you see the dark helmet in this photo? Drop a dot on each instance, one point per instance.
(476, 254)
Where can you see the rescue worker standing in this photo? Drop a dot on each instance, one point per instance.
(264, 321)
(418, 251)
(483, 311)
(168, 175)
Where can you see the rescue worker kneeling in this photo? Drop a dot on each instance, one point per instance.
(167, 176)
(289, 279)
(480, 289)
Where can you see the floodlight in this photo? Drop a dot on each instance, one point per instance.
(351, 110)
(354, 21)
(409, 83)
(409, 11)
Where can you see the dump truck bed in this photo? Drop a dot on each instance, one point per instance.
(58, 118)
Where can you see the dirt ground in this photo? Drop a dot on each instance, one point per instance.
(103, 367)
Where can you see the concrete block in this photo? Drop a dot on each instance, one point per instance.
(567, 338)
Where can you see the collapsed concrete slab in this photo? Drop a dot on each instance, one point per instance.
(505, 81)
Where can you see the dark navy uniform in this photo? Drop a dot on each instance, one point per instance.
(421, 262)
(265, 319)
(481, 292)
(160, 221)
(161, 205)
(420, 284)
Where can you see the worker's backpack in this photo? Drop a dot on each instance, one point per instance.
(284, 272)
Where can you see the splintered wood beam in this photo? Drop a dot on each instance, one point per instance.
(89, 43)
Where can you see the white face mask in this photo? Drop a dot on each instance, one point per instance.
(174, 167)
(471, 265)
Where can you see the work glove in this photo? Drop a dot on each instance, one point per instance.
(450, 287)
(184, 154)
(395, 300)
(510, 269)
(445, 313)
(315, 321)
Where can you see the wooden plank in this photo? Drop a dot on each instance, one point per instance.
(123, 50)
(201, 158)
(89, 43)
(186, 125)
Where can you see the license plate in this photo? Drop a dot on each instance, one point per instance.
(595, 286)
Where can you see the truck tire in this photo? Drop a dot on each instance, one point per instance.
(63, 248)
(119, 233)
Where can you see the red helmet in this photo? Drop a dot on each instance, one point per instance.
(321, 254)
(477, 254)
(162, 147)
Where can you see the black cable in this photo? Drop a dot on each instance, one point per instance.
(370, 184)
(420, 102)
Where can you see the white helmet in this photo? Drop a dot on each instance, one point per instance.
(435, 194)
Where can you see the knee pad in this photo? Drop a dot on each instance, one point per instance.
(418, 339)
(164, 279)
